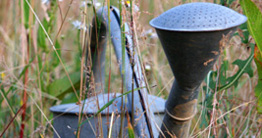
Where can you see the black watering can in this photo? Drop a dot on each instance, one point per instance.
(192, 36)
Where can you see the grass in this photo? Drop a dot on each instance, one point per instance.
(32, 59)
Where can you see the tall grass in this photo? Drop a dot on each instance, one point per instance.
(42, 43)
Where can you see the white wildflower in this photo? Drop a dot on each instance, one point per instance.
(84, 3)
(45, 1)
(149, 33)
(153, 35)
(77, 24)
(147, 67)
(97, 4)
(89, 3)
(127, 4)
(136, 8)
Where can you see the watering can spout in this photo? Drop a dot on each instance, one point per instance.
(191, 54)
(192, 36)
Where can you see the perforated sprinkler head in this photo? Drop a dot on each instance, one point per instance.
(198, 17)
(192, 36)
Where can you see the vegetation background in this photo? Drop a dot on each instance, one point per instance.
(33, 78)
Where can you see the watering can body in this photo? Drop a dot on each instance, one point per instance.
(66, 117)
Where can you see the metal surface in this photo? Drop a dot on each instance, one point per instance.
(66, 116)
(143, 116)
(90, 106)
(145, 120)
(199, 16)
(191, 52)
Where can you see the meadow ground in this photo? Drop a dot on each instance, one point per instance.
(29, 66)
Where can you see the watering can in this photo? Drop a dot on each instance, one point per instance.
(192, 36)
(149, 109)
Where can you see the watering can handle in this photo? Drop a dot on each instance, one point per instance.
(100, 27)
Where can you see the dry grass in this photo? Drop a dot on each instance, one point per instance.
(235, 114)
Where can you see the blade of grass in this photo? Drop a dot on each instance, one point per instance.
(48, 121)
(25, 22)
(4, 95)
(24, 97)
(231, 110)
(18, 78)
(53, 46)
(97, 26)
(13, 118)
(130, 128)
(122, 26)
(133, 61)
(63, 21)
(32, 44)
(111, 125)
(110, 53)
(84, 36)
(9, 104)
(108, 104)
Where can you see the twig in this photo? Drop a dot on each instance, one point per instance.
(25, 80)
(53, 46)
(111, 125)
(210, 125)
(12, 120)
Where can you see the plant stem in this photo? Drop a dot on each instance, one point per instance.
(26, 71)
(25, 93)
(132, 57)
(122, 25)
(110, 59)
(11, 120)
